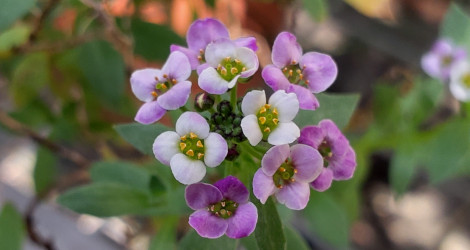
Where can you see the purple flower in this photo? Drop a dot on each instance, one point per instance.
(190, 149)
(442, 57)
(222, 208)
(201, 33)
(226, 63)
(338, 156)
(272, 121)
(162, 90)
(286, 173)
(293, 72)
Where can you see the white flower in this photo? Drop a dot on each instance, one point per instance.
(460, 81)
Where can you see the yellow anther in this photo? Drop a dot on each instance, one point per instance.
(292, 179)
(275, 121)
(243, 69)
(156, 78)
(268, 106)
(200, 155)
(234, 71)
(212, 208)
(199, 144)
(291, 72)
(275, 111)
(192, 135)
(267, 130)
(307, 81)
(154, 94)
(301, 76)
(229, 213)
(262, 119)
(223, 71)
(222, 203)
(201, 51)
(237, 61)
(280, 186)
(183, 138)
(223, 211)
(165, 76)
(199, 58)
(294, 62)
(219, 67)
(262, 110)
(330, 154)
(284, 69)
(182, 146)
(282, 169)
(298, 71)
(163, 86)
(173, 81)
(295, 171)
(190, 152)
(227, 58)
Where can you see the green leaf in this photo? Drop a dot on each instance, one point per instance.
(269, 231)
(294, 240)
(121, 173)
(337, 107)
(192, 241)
(12, 10)
(456, 26)
(11, 228)
(13, 37)
(153, 41)
(402, 168)
(166, 235)
(104, 69)
(141, 136)
(45, 170)
(318, 9)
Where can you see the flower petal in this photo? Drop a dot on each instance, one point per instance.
(176, 96)
(201, 195)
(251, 129)
(457, 86)
(210, 81)
(202, 32)
(192, 122)
(319, 69)
(263, 186)
(312, 136)
(274, 78)
(190, 54)
(286, 50)
(143, 83)
(243, 222)
(208, 225)
(216, 150)
(249, 59)
(294, 195)
(286, 132)
(344, 168)
(273, 159)
(307, 161)
(337, 141)
(201, 68)
(177, 67)
(165, 146)
(234, 81)
(431, 64)
(253, 101)
(217, 51)
(249, 42)
(306, 98)
(323, 181)
(233, 189)
(149, 112)
(286, 104)
(186, 170)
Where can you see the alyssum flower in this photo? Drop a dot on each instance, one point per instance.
(442, 57)
(272, 121)
(286, 173)
(460, 81)
(162, 90)
(222, 208)
(190, 149)
(338, 156)
(293, 72)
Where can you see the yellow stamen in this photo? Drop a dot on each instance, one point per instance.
(282, 169)
(267, 130)
(298, 71)
(165, 76)
(219, 67)
(227, 58)
(237, 61)
(330, 154)
(243, 69)
(200, 155)
(268, 106)
(201, 51)
(199, 58)
(192, 135)
(294, 62)
(223, 211)
(182, 146)
(262, 119)
(234, 71)
(173, 81)
(280, 186)
(154, 94)
(229, 213)
(199, 144)
(262, 110)
(223, 71)
(163, 86)
(284, 69)
(275, 111)
(292, 179)
(301, 76)
(295, 171)
(183, 138)
(190, 152)
(291, 72)
(275, 121)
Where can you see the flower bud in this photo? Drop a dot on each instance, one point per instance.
(224, 107)
(203, 102)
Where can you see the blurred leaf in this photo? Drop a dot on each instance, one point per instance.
(210, 3)
(153, 41)
(294, 239)
(318, 9)
(165, 238)
(13, 37)
(141, 136)
(249, 242)
(12, 10)
(121, 173)
(403, 167)
(456, 26)
(269, 231)
(103, 68)
(386, 107)
(45, 170)
(337, 107)
(192, 241)
(11, 228)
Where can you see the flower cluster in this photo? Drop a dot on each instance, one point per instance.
(212, 134)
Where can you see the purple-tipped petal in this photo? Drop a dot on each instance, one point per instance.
(233, 189)
(286, 50)
(186, 170)
(307, 161)
(211, 82)
(274, 78)
(442, 47)
(165, 146)
(344, 169)
(337, 141)
(175, 97)
(217, 51)
(192, 122)
(273, 159)
(208, 225)
(431, 64)
(263, 186)
(251, 129)
(201, 68)
(177, 67)
(253, 101)
(201, 195)
(249, 59)
(215, 150)
(149, 112)
(295, 195)
(202, 32)
(306, 98)
(323, 181)
(286, 104)
(143, 83)
(320, 70)
(190, 54)
(249, 42)
(243, 222)
(312, 136)
(286, 132)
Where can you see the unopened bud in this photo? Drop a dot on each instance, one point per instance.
(224, 107)
(203, 102)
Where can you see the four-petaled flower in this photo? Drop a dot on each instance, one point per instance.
(293, 72)
(272, 121)
(338, 156)
(442, 57)
(190, 149)
(286, 173)
(162, 90)
(222, 208)
(460, 81)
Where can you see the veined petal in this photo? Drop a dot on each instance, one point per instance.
(208, 225)
(320, 70)
(192, 122)
(308, 162)
(286, 50)
(263, 186)
(186, 170)
(286, 132)
(149, 112)
(216, 150)
(323, 181)
(273, 159)
(306, 98)
(253, 101)
(286, 104)
(249, 59)
(251, 129)
(204, 31)
(212, 82)
(295, 195)
(177, 67)
(176, 96)
(344, 168)
(143, 83)
(165, 146)
(217, 51)
(243, 222)
(201, 195)
(312, 136)
(274, 78)
(190, 54)
(233, 189)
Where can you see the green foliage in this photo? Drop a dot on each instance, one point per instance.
(12, 10)
(318, 9)
(294, 240)
(141, 136)
(192, 241)
(166, 235)
(269, 231)
(11, 228)
(121, 172)
(13, 37)
(456, 26)
(45, 170)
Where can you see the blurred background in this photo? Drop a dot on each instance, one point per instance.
(64, 70)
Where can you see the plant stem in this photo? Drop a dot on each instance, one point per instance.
(233, 97)
(184, 109)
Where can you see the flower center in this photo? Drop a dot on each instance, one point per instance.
(267, 119)
(284, 174)
(229, 68)
(295, 74)
(224, 209)
(447, 60)
(163, 85)
(325, 151)
(466, 80)
(192, 146)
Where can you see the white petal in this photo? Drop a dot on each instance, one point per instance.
(233, 82)
(253, 101)
(210, 81)
(177, 66)
(216, 150)
(251, 129)
(286, 104)
(166, 146)
(192, 122)
(248, 58)
(457, 86)
(286, 132)
(187, 170)
(217, 51)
